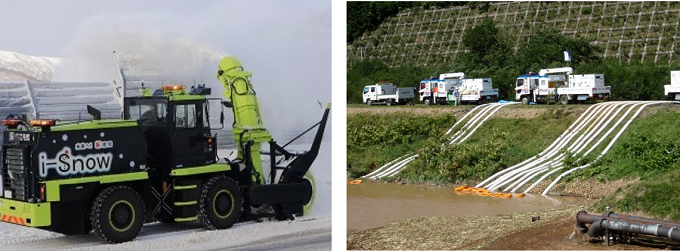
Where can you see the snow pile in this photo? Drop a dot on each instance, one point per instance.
(17, 67)
(68, 101)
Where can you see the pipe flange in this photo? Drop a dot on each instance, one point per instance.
(671, 231)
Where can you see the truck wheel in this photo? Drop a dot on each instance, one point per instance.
(117, 214)
(369, 102)
(390, 102)
(564, 99)
(221, 203)
(525, 100)
(427, 101)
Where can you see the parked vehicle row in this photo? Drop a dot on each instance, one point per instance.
(542, 87)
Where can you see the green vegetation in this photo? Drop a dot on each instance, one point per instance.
(431, 31)
(649, 148)
(654, 196)
(373, 140)
(367, 16)
(487, 151)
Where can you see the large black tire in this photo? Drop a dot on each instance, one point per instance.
(369, 102)
(117, 214)
(427, 101)
(525, 100)
(221, 203)
(564, 99)
(390, 102)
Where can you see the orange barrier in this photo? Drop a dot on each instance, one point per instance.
(483, 192)
(354, 182)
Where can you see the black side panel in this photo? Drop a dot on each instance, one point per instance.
(70, 218)
(78, 192)
(281, 193)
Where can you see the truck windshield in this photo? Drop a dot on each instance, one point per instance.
(147, 112)
(366, 90)
(520, 82)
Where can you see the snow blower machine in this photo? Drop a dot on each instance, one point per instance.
(158, 163)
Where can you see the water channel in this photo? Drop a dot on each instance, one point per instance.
(371, 205)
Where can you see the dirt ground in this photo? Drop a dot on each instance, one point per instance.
(551, 229)
(559, 235)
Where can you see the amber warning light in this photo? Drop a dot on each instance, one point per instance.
(172, 87)
(11, 123)
(43, 122)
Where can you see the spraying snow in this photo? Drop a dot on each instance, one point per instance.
(17, 67)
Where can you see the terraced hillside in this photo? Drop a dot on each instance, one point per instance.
(632, 31)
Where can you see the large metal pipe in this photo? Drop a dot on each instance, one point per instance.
(584, 217)
(643, 219)
(630, 224)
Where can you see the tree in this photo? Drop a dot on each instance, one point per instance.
(486, 44)
(546, 47)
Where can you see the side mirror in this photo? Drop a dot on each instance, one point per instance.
(227, 104)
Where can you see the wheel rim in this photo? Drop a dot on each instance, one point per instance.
(223, 204)
(122, 215)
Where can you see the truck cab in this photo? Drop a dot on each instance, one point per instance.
(429, 89)
(386, 93)
(533, 87)
(177, 124)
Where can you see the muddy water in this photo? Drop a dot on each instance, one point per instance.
(371, 205)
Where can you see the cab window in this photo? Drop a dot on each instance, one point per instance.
(147, 113)
(520, 82)
(185, 116)
(366, 90)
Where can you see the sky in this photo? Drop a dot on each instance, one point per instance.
(285, 44)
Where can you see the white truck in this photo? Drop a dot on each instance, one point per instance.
(475, 90)
(672, 91)
(542, 88)
(386, 93)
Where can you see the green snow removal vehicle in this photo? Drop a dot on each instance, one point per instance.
(158, 163)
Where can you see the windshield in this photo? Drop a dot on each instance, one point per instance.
(150, 112)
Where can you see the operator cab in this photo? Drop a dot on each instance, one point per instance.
(176, 126)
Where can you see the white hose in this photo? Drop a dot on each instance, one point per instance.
(393, 167)
(537, 156)
(547, 154)
(606, 149)
(594, 146)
